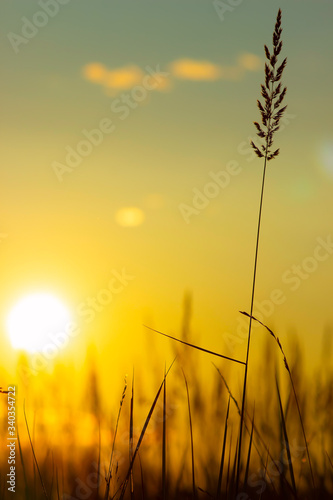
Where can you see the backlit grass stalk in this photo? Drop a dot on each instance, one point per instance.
(194, 489)
(258, 434)
(285, 435)
(294, 391)
(219, 483)
(164, 440)
(33, 453)
(136, 451)
(109, 476)
(271, 111)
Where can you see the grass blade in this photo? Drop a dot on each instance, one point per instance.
(194, 490)
(196, 347)
(23, 465)
(248, 455)
(219, 484)
(164, 441)
(271, 115)
(294, 391)
(33, 452)
(109, 475)
(131, 437)
(124, 486)
(257, 434)
(285, 434)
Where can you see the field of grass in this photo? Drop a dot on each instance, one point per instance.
(182, 441)
(190, 435)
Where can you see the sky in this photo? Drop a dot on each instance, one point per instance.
(127, 179)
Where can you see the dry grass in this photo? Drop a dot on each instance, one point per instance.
(160, 460)
(271, 113)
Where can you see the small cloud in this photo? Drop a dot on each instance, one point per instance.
(123, 78)
(190, 69)
(130, 217)
(95, 72)
(250, 62)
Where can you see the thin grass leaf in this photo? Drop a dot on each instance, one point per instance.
(164, 440)
(131, 437)
(272, 76)
(285, 435)
(33, 452)
(109, 474)
(219, 483)
(194, 489)
(258, 434)
(195, 346)
(294, 391)
(26, 486)
(125, 482)
(228, 470)
(248, 455)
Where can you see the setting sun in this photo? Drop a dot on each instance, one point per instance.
(34, 318)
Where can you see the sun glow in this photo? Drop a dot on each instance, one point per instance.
(34, 319)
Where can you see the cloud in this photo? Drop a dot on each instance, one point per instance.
(120, 79)
(195, 70)
(94, 72)
(127, 77)
(124, 78)
(190, 69)
(250, 62)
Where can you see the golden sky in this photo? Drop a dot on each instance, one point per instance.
(127, 176)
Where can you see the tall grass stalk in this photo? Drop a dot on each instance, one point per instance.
(285, 435)
(286, 364)
(194, 489)
(33, 453)
(109, 475)
(219, 483)
(259, 436)
(144, 428)
(164, 440)
(131, 436)
(271, 112)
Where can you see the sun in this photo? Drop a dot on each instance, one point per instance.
(34, 319)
